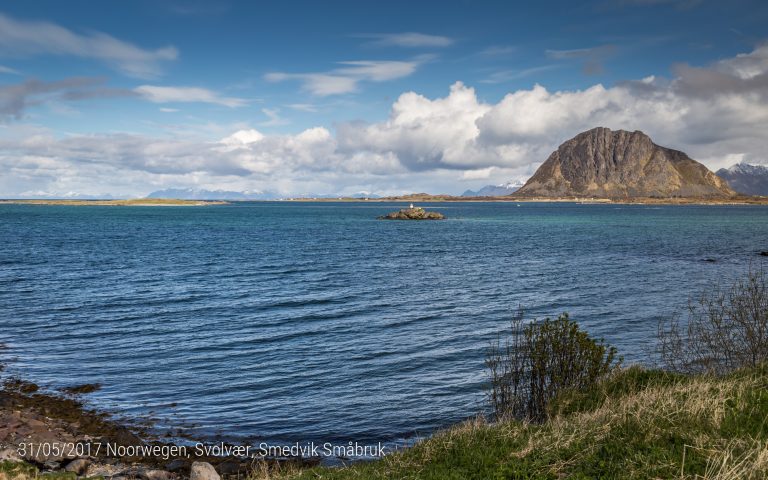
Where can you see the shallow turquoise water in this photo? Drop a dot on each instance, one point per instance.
(314, 321)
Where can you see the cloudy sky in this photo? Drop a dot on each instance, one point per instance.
(339, 97)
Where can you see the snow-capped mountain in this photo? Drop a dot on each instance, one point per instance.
(202, 194)
(746, 178)
(42, 195)
(495, 190)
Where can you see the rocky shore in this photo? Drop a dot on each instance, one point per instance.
(57, 436)
(412, 213)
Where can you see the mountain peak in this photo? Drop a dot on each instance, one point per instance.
(618, 163)
(746, 178)
(499, 190)
(747, 168)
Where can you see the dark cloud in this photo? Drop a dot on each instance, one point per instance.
(16, 99)
(592, 58)
(703, 82)
(743, 74)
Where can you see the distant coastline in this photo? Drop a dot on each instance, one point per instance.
(736, 200)
(139, 202)
(418, 197)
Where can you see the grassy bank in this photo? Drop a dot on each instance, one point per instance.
(636, 424)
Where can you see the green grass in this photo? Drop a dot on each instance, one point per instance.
(13, 470)
(25, 471)
(636, 424)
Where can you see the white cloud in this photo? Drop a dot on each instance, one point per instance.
(746, 66)
(158, 94)
(716, 114)
(346, 79)
(503, 76)
(168, 110)
(422, 133)
(377, 71)
(19, 37)
(242, 137)
(303, 107)
(709, 112)
(320, 84)
(9, 70)
(479, 174)
(408, 39)
(274, 118)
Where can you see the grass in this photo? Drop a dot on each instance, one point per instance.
(24, 471)
(636, 424)
(17, 471)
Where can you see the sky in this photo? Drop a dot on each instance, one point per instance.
(341, 97)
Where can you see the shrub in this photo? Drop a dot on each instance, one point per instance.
(723, 330)
(541, 359)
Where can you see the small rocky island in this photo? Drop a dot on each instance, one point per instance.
(412, 213)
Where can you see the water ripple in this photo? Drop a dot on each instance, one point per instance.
(295, 322)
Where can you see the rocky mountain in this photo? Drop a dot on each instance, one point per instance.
(746, 178)
(202, 194)
(495, 190)
(605, 163)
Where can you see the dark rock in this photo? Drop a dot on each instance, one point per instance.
(82, 389)
(15, 384)
(78, 466)
(178, 465)
(710, 260)
(764, 253)
(124, 437)
(412, 213)
(605, 163)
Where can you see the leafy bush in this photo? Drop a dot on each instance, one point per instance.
(724, 330)
(540, 360)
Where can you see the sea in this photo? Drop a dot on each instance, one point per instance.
(288, 322)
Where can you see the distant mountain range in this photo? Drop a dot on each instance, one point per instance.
(64, 196)
(746, 178)
(202, 194)
(605, 163)
(495, 190)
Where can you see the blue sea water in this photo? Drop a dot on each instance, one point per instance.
(288, 322)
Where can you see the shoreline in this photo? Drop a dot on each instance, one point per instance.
(141, 202)
(59, 433)
(737, 200)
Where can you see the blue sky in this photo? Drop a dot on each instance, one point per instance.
(338, 97)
